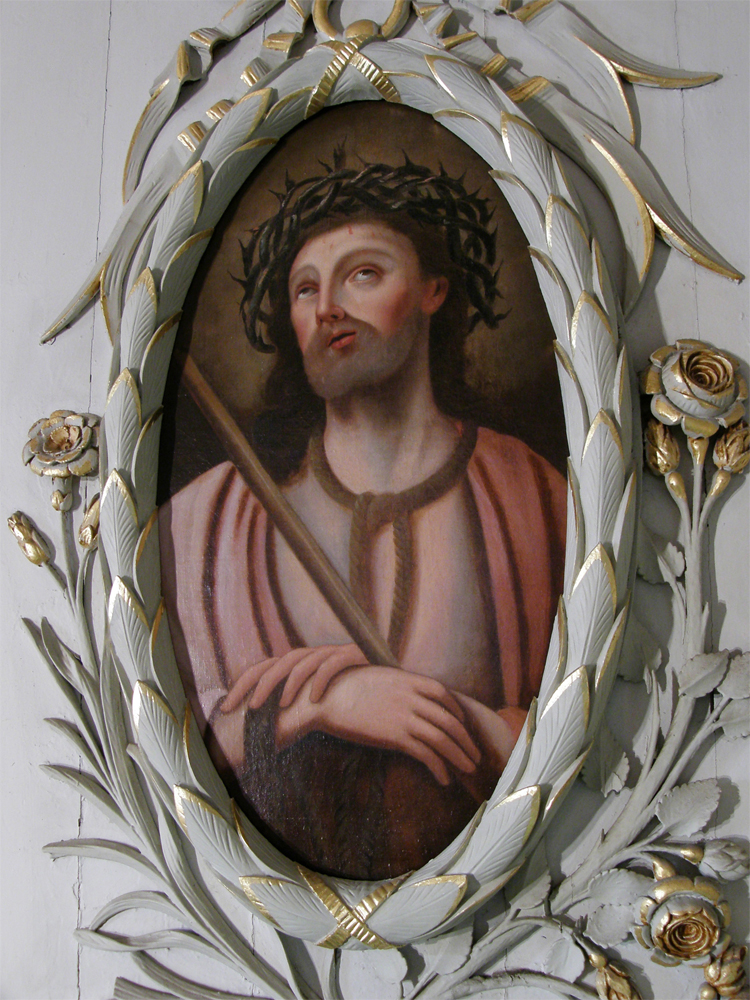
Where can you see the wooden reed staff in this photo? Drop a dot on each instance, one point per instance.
(286, 519)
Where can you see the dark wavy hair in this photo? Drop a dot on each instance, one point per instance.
(448, 229)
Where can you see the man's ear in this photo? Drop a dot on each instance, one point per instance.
(436, 290)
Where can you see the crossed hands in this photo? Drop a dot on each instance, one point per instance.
(373, 705)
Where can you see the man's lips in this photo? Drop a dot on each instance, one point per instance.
(342, 339)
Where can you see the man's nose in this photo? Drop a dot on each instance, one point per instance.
(329, 308)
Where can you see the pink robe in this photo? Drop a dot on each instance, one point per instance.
(225, 613)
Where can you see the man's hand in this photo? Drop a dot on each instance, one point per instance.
(298, 666)
(388, 708)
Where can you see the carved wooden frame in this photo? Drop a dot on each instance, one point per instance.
(157, 766)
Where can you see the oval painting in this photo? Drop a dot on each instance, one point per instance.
(362, 500)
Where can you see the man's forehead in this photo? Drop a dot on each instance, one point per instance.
(350, 237)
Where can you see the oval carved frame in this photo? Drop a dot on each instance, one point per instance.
(602, 485)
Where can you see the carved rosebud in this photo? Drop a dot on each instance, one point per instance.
(684, 920)
(732, 450)
(88, 533)
(725, 859)
(727, 973)
(30, 541)
(662, 449)
(612, 983)
(695, 386)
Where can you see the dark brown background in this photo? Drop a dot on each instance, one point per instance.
(512, 366)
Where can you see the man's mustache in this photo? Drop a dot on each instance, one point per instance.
(327, 333)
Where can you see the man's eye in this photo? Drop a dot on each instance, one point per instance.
(364, 274)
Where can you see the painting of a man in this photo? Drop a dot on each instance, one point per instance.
(450, 536)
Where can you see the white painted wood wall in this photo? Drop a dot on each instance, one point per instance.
(75, 76)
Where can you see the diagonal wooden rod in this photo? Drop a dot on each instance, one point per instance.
(294, 531)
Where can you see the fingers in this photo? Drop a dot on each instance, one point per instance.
(342, 659)
(276, 673)
(245, 684)
(307, 666)
(439, 741)
(436, 691)
(442, 719)
(430, 759)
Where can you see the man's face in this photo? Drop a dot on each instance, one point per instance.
(359, 305)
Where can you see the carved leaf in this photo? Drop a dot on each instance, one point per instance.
(736, 684)
(606, 664)
(562, 784)
(372, 974)
(118, 525)
(687, 808)
(156, 364)
(531, 886)
(602, 480)
(446, 953)
(186, 989)
(610, 924)
(236, 127)
(290, 109)
(591, 609)
(525, 207)
(556, 653)
(417, 908)
(237, 167)
(103, 850)
(574, 405)
(163, 663)
(606, 768)
(622, 401)
(173, 938)
(215, 839)
(89, 786)
(129, 631)
(501, 834)
(623, 535)
(201, 768)
(560, 730)
(568, 246)
(735, 719)
(122, 420)
(145, 466)
(146, 568)
(76, 737)
(594, 352)
(658, 559)
(702, 673)
(144, 899)
(67, 663)
(530, 156)
(640, 651)
(265, 856)
(468, 88)
(294, 908)
(564, 959)
(138, 320)
(179, 273)
(555, 294)
(158, 733)
(603, 285)
(177, 217)
(620, 886)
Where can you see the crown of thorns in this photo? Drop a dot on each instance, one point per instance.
(433, 199)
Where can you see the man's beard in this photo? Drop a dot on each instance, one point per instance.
(369, 363)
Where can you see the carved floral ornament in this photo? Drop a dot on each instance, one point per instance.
(146, 766)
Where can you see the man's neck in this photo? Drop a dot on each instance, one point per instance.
(390, 437)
